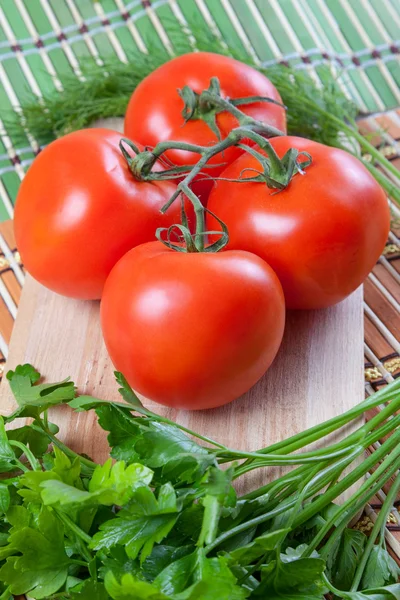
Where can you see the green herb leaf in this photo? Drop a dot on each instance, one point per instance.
(166, 447)
(33, 398)
(213, 580)
(7, 456)
(179, 574)
(247, 554)
(290, 573)
(37, 441)
(89, 590)
(161, 557)
(129, 587)
(389, 592)
(25, 370)
(345, 557)
(219, 492)
(126, 391)
(160, 446)
(380, 569)
(41, 564)
(110, 484)
(124, 431)
(5, 498)
(384, 593)
(144, 522)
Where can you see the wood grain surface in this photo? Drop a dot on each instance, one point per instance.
(318, 372)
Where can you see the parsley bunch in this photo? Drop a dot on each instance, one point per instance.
(163, 520)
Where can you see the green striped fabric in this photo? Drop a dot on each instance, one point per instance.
(43, 42)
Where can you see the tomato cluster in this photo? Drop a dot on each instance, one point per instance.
(188, 328)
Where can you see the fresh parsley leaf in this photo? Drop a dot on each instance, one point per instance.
(126, 391)
(37, 441)
(247, 554)
(166, 447)
(25, 370)
(144, 522)
(162, 556)
(179, 574)
(290, 573)
(380, 569)
(33, 398)
(85, 403)
(5, 498)
(117, 561)
(89, 590)
(123, 429)
(345, 557)
(31, 484)
(67, 470)
(129, 588)
(41, 564)
(7, 456)
(213, 580)
(196, 576)
(110, 484)
(162, 447)
(299, 596)
(391, 592)
(218, 493)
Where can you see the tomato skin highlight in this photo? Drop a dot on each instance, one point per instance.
(322, 235)
(79, 210)
(192, 330)
(154, 112)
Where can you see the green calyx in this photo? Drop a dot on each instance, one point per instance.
(209, 103)
(196, 106)
(141, 163)
(277, 172)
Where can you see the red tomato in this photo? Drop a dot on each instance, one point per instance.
(192, 330)
(154, 112)
(322, 234)
(79, 209)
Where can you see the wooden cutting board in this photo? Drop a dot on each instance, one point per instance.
(317, 374)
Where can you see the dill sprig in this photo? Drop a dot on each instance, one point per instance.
(320, 112)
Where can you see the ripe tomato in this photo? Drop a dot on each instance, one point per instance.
(79, 209)
(192, 330)
(322, 234)
(154, 112)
